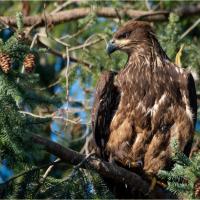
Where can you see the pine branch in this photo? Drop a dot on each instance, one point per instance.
(108, 170)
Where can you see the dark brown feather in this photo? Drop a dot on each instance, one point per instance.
(105, 104)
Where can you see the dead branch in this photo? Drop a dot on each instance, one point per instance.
(108, 12)
(108, 170)
(82, 46)
(33, 169)
(59, 54)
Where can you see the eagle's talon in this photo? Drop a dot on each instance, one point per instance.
(136, 164)
(128, 163)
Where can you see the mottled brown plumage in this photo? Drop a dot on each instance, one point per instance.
(138, 110)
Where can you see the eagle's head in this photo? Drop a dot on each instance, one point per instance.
(129, 36)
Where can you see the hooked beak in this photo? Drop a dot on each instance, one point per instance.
(111, 47)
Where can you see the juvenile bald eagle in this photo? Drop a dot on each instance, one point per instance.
(138, 110)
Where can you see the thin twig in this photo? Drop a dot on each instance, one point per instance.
(78, 32)
(51, 85)
(50, 169)
(57, 53)
(37, 116)
(102, 36)
(48, 34)
(67, 79)
(64, 5)
(52, 116)
(118, 16)
(84, 149)
(34, 40)
(189, 29)
(82, 46)
(30, 170)
(44, 177)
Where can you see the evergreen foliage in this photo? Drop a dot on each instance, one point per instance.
(171, 42)
(14, 138)
(181, 180)
(17, 92)
(170, 39)
(80, 184)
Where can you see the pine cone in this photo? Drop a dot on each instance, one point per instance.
(5, 62)
(29, 62)
(197, 188)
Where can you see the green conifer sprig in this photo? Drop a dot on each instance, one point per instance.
(80, 184)
(170, 38)
(17, 92)
(181, 180)
(19, 19)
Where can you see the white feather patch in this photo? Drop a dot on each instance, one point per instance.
(187, 109)
(189, 113)
(156, 106)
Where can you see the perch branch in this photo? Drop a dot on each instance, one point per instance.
(118, 174)
(108, 12)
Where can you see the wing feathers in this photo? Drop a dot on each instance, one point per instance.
(192, 96)
(105, 104)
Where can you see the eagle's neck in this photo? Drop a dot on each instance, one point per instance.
(144, 63)
(147, 54)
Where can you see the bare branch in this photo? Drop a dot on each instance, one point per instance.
(30, 170)
(72, 59)
(55, 117)
(64, 5)
(78, 13)
(118, 174)
(190, 29)
(86, 44)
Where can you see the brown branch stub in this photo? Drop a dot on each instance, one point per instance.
(108, 12)
(108, 170)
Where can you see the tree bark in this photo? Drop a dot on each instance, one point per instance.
(107, 12)
(107, 170)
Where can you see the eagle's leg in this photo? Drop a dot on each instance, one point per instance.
(153, 184)
(111, 159)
